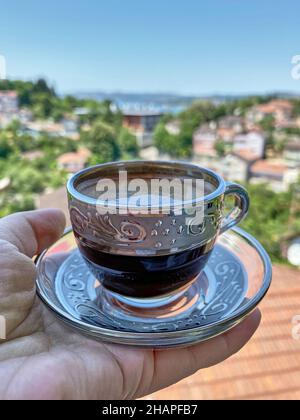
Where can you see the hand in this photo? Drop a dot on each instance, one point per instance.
(43, 359)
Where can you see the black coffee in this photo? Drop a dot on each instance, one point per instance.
(145, 277)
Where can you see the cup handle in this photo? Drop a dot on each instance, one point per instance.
(241, 208)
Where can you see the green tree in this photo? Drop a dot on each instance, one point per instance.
(128, 144)
(268, 219)
(5, 146)
(163, 140)
(102, 142)
(220, 147)
(268, 125)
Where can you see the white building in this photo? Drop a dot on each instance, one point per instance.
(277, 174)
(9, 103)
(204, 140)
(173, 127)
(254, 142)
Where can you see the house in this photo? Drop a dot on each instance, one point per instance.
(65, 128)
(290, 248)
(226, 134)
(55, 199)
(70, 126)
(9, 102)
(280, 109)
(33, 155)
(142, 124)
(277, 174)
(291, 151)
(204, 140)
(173, 127)
(253, 142)
(74, 162)
(234, 167)
(150, 153)
(232, 122)
(4, 183)
(293, 252)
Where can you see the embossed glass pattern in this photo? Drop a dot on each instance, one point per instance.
(151, 258)
(235, 280)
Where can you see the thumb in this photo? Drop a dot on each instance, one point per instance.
(32, 232)
(22, 236)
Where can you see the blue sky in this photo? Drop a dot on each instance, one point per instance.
(184, 46)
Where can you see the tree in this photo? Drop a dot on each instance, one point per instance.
(5, 146)
(128, 144)
(102, 142)
(268, 219)
(163, 140)
(220, 147)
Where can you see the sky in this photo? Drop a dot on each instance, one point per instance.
(194, 47)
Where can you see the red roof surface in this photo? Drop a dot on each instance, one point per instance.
(8, 94)
(268, 367)
(271, 168)
(274, 106)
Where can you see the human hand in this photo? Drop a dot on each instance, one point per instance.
(43, 359)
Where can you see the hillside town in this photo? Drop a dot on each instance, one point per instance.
(244, 156)
(45, 141)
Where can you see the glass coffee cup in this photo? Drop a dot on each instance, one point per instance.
(148, 248)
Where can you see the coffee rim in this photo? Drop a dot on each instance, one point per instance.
(73, 191)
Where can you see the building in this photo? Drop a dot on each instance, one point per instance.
(150, 153)
(253, 142)
(142, 124)
(4, 183)
(71, 128)
(33, 155)
(9, 103)
(291, 151)
(55, 199)
(280, 109)
(226, 134)
(277, 174)
(65, 128)
(204, 140)
(233, 167)
(74, 162)
(173, 127)
(232, 122)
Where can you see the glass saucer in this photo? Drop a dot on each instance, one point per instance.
(235, 280)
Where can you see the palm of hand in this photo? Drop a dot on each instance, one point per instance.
(43, 359)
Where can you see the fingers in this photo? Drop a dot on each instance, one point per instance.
(32, 232)
(21, 237)
(173, 365)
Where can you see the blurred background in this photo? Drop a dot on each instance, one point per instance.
(216, 83)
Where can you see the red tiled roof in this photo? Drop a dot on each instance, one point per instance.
(247, 155)
(272, 168)
(268, 367)
(8, 93)
(77, 157)
(273, 106)
(56, 199)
